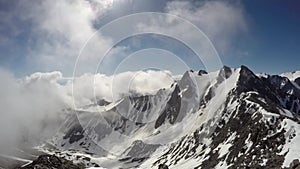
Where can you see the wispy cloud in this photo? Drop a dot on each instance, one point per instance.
(59, 30)
(222, 21)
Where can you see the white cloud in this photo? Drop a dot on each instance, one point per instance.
(220, 20)
(60, 29)
(38, 76)
(111, 88)
(29, 105)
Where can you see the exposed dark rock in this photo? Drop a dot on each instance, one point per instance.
(202, 72)
(102, 102)
(141, 103)
(139, 149)
(295, 164)
(51, 162)
(297, 81)
(75, 134)
(284, 85)
(172, 109)
(226, 72)
(163, 166)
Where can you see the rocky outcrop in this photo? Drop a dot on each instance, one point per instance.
(163, 166)
(202, 72)
(51, 162)
(172, 109)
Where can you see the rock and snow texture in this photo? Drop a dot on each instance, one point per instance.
(291, 75)
(231, 118)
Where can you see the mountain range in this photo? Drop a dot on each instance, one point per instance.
(230, 118)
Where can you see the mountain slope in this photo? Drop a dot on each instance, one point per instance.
(254, 130)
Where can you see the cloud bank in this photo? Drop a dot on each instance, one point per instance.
(29, 105)
(34, 106)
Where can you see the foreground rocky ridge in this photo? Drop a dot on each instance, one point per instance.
(51, 162)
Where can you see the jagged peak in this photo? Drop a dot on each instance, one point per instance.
(202, 72)
(226, 67)
(225, 72)
(246, 71)
(248, 81)
(246, 74)
(187, 76)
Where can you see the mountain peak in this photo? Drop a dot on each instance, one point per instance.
(246, 71)
(226, 71)
(202, 72)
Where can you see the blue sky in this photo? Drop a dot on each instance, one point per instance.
(264, 35)
(274, 40)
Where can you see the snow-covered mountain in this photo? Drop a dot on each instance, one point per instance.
(231, 118)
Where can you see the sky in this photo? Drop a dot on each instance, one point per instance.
(46, 36)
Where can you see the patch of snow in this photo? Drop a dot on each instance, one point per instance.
(292, 146)
(291, 75)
